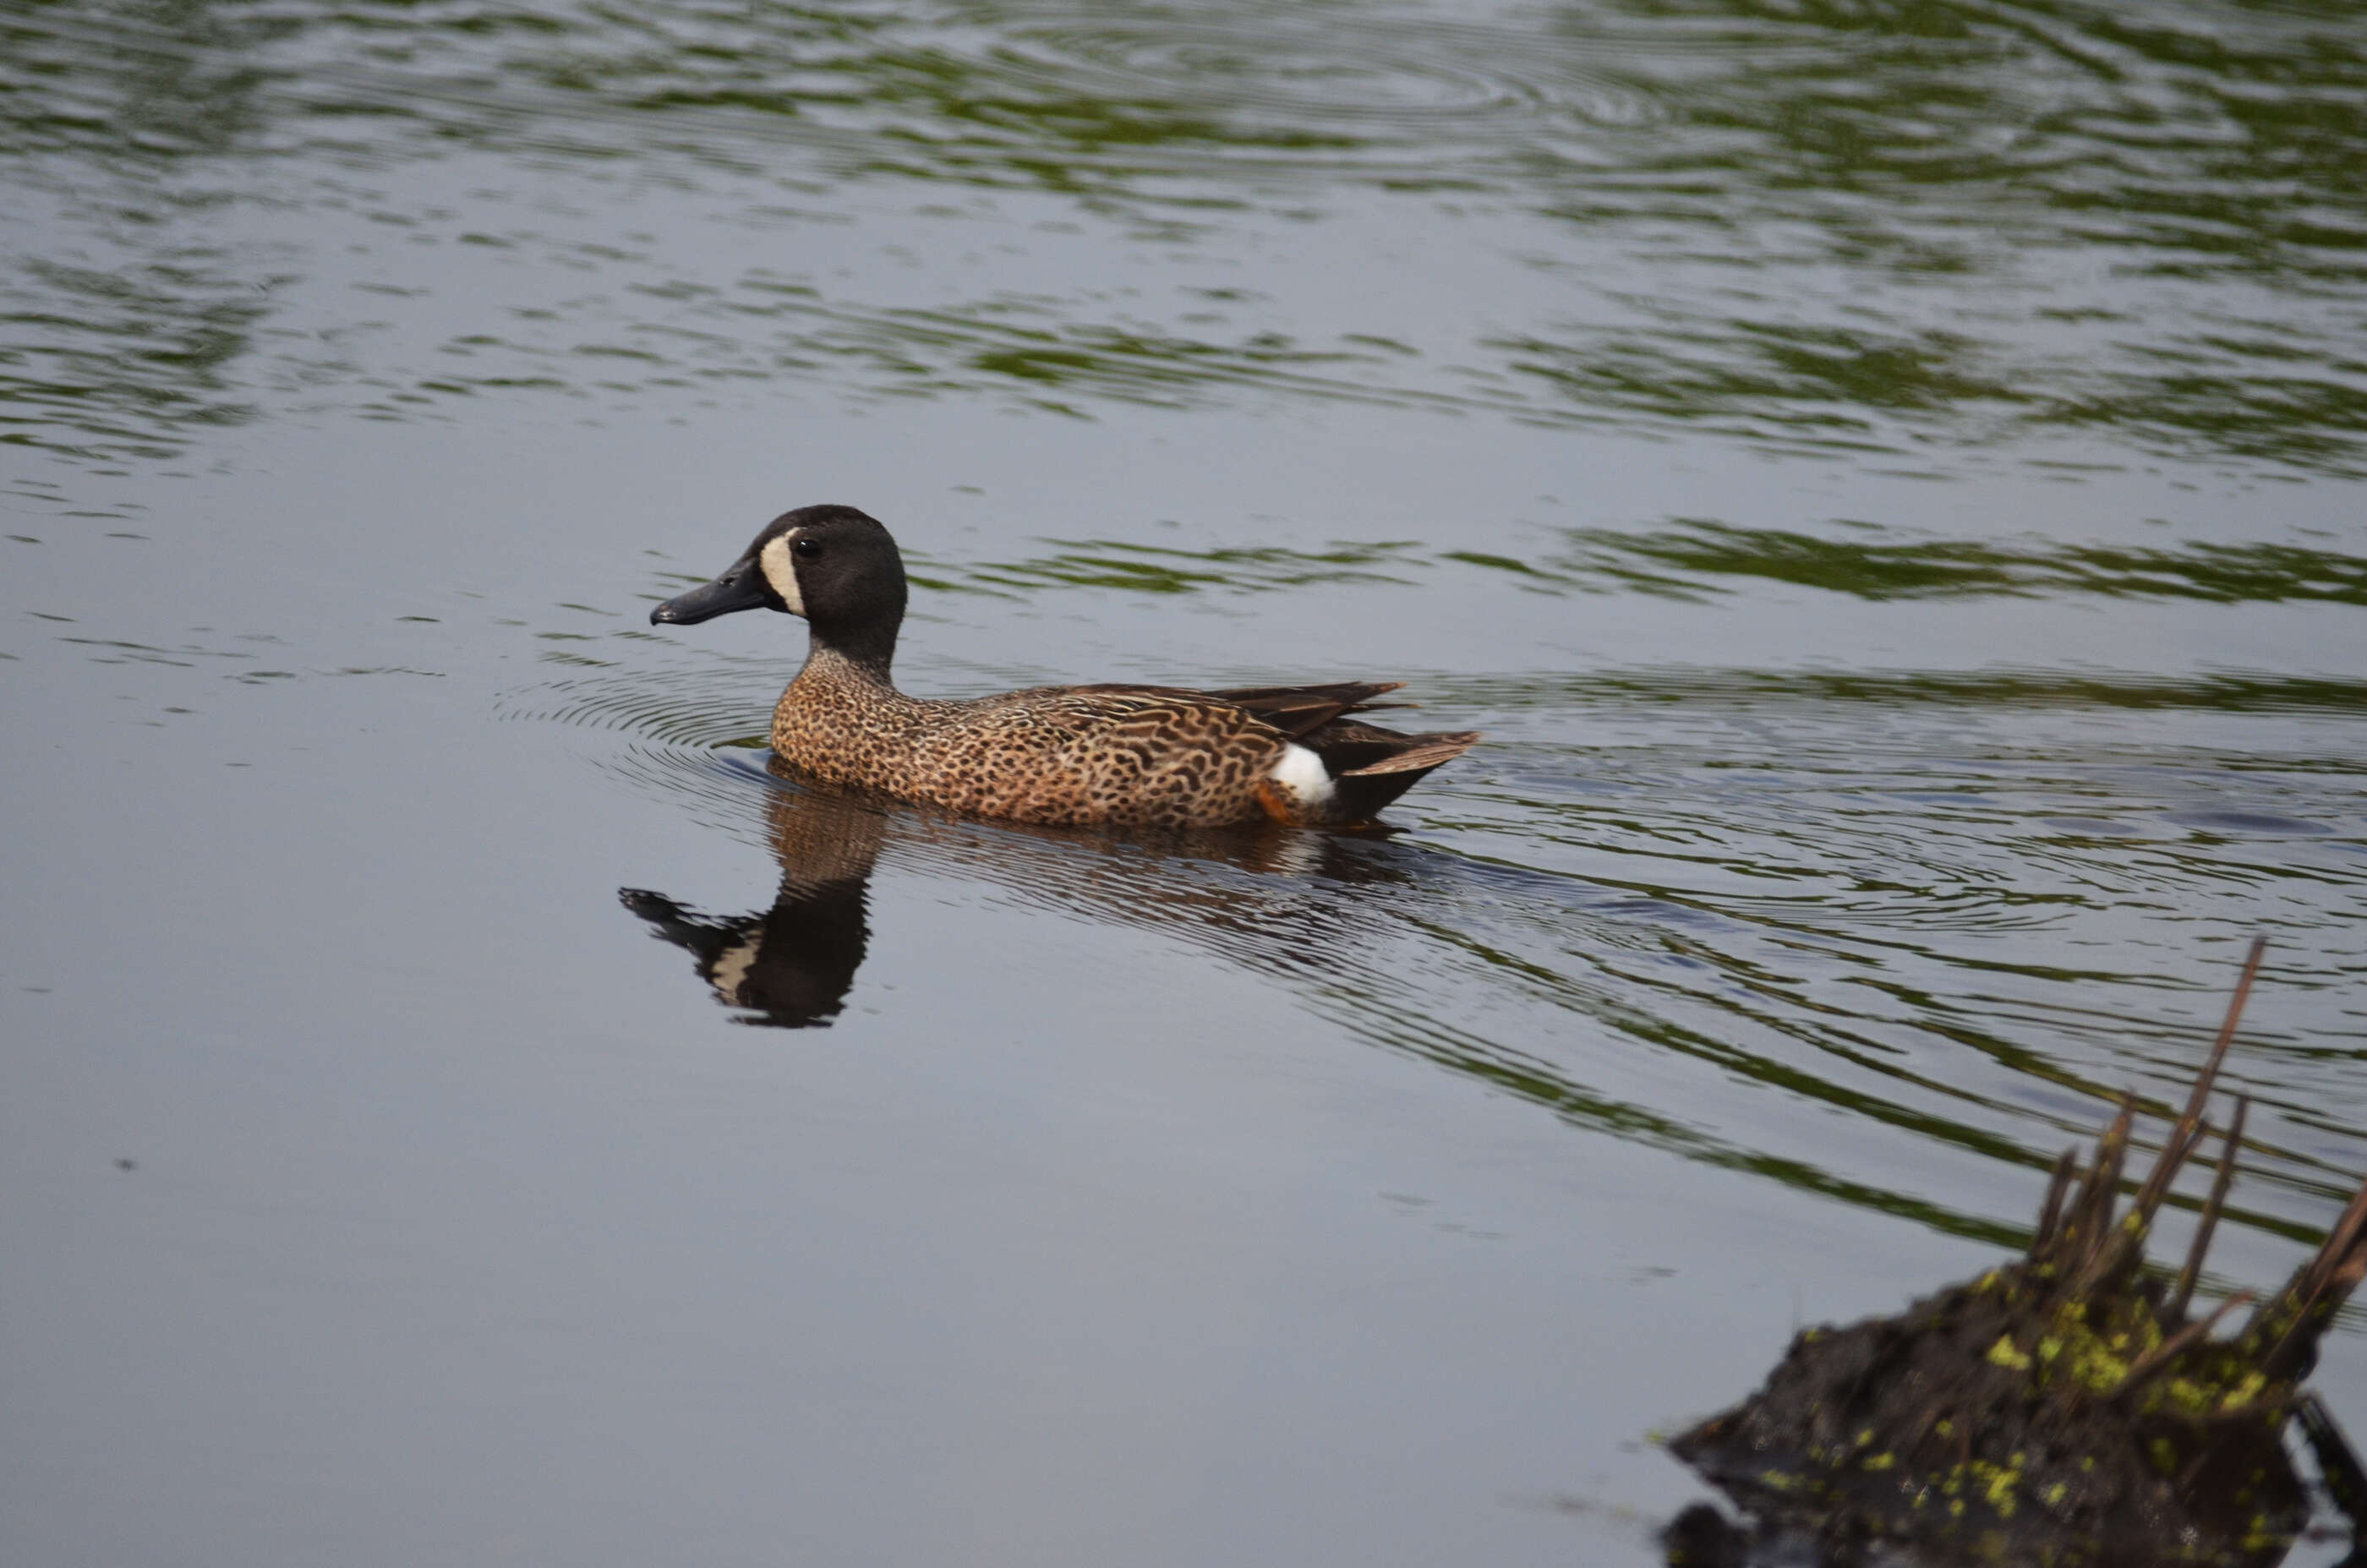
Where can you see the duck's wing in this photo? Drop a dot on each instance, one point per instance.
(1299, 711)
(1296, 711)
(1318, 718)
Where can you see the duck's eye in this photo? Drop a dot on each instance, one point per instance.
(808, 547)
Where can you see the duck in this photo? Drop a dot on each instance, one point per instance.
(1127, 756)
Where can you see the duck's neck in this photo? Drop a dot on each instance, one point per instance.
(862, 665)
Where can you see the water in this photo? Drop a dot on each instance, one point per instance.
(1886, 480)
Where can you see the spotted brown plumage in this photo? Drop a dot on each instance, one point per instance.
(1147, 756)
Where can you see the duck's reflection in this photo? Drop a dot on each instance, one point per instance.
(792, 965)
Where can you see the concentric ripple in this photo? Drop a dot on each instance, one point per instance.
(689, 699)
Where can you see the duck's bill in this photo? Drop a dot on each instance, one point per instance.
(742, 588)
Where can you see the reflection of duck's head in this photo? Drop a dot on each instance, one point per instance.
(792, 965)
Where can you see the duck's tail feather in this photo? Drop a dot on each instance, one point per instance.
(1434, 751)
(1370, 766)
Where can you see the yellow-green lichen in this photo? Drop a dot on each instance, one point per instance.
(2247, 1391)
(1998, 1485)
(2094, 1360)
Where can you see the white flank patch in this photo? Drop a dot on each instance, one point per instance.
(1302, 773)
(781, 571)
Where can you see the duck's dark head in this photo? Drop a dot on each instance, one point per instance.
(834, 565)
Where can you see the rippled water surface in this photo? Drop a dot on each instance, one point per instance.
(1886, 478)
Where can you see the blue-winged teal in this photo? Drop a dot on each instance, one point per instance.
(1153, 756)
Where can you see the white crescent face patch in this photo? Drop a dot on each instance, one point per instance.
(781, 571)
